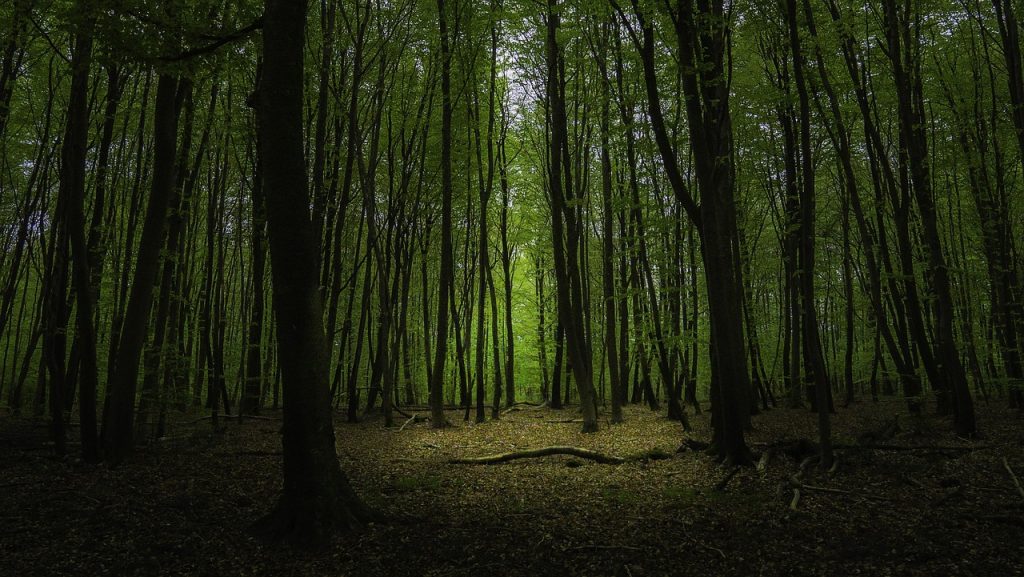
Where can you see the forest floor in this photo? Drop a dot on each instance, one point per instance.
(182, 506)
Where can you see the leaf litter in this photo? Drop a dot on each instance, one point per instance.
(181, 506)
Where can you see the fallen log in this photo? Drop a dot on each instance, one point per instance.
(542, 452)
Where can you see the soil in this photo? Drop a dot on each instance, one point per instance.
(182, 505)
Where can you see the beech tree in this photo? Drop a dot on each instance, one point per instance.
(317, 498)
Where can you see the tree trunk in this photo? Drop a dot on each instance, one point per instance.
(317, 498)
(119, 409)
(447, 272)
(72, 188)
(566, 230)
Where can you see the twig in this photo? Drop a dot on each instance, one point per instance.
(713, 548)
(1013, 476)
(796, 499)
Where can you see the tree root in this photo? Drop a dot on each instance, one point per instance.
(542, 452)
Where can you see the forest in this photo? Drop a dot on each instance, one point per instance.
(511, 287)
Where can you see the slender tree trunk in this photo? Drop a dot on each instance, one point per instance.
(608, 245)
(254, 376)
(566, 230)
(812, 340)
(72, 188)
(437, 418)
(902, 45)
(119, 409)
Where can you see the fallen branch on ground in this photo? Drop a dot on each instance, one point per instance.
(543, 452)
(692, 445)
(233, 418)
(1013, 476)
(524, 406)
(413, 419)
(766, 457)
(720, 486)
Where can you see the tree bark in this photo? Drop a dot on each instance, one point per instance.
(317, 498)
(119, 409)
(446, 276)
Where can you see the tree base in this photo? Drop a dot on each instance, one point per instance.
(307, 525)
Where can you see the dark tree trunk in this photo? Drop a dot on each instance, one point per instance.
(437, 418)
(72, 188)
(902, 42)
(119, 409)
(812, 340)
(608, 245)
(566, 230)
(701, 34)
(317, 498)
(542, 330)
(254, 377)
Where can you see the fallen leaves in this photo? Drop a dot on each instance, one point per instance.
(182, 508)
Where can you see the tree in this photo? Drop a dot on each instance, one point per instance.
(702, 39)
(566, 228)
(317, 499)
(447, 274)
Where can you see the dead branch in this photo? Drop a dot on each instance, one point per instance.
(796, 499)
(524, 406)
(692, 445)
(563, 421)
(542, 452)
(766, 457)
(413, 419)
(608, 547)
(720, 486)
(232, 417)
(1013, 476)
